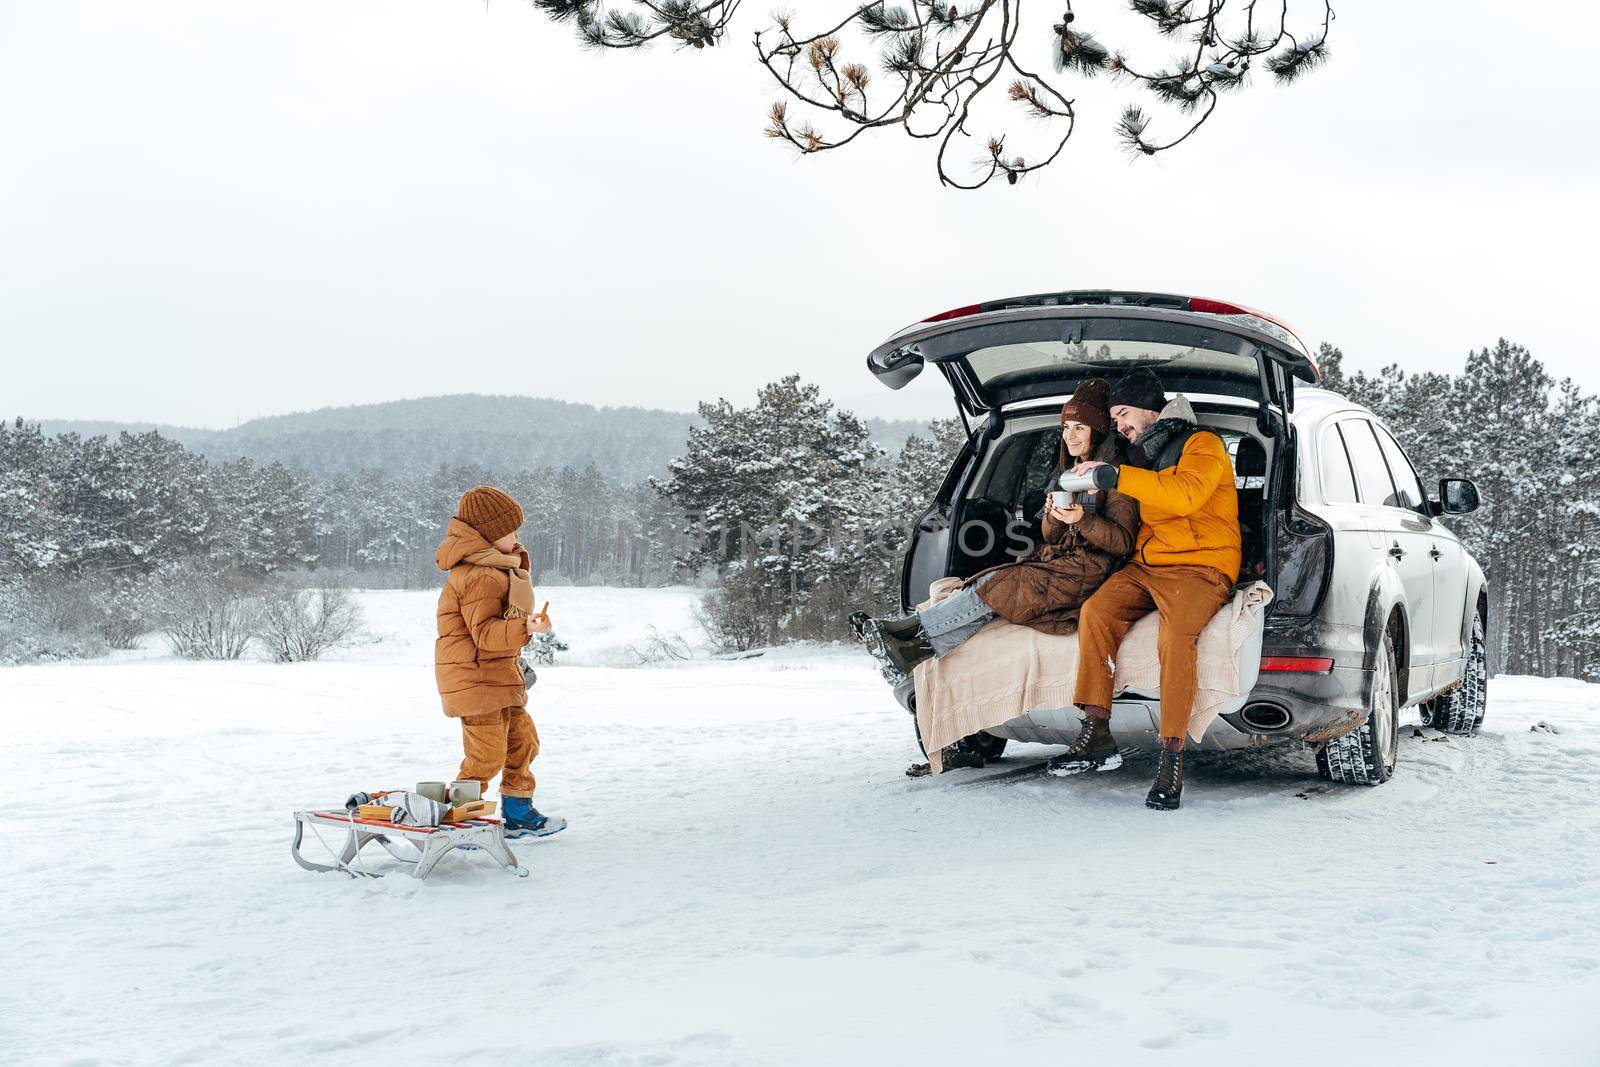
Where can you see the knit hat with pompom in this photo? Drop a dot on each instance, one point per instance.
(1088, 405)
(490, 511)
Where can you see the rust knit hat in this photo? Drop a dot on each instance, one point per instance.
(490, 511)
(1088, 405)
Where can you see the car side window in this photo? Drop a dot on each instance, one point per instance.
(1338, 484)
(1022, 466)
(1366, 457)
(1043, 460)
(1407, 485)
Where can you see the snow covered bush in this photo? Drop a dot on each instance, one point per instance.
(543, 648)
(28, 628)
(204, 613)
(302, 624)
(118, 610)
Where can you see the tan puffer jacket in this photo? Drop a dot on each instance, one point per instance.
(475, 657)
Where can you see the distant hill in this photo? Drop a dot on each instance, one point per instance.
(494, 432)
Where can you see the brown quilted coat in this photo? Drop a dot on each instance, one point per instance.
(475, 657)
(1046, 589)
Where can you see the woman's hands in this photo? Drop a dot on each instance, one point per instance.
(1071, 516)
(538, 624)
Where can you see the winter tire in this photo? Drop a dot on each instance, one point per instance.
(988, 744)
(1460, 711)
(1366, 756)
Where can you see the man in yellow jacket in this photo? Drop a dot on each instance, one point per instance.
(1184, 566)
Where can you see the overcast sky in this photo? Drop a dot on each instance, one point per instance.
(214, 211)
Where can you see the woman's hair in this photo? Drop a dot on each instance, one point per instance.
(1096, 439)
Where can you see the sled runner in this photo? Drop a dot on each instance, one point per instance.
(422, 846)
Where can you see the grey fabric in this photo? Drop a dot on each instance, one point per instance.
(955, 618)
(410, 809)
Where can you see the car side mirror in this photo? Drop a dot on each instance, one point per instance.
(1457, 496)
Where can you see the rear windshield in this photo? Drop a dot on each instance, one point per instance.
(1007, 355)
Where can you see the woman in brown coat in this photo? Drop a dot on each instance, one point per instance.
(1082, 546)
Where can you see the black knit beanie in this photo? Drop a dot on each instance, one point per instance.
(1139, 388)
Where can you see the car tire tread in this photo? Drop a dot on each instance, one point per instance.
(1357, 757)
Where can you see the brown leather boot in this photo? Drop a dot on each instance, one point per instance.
(1094, 749)
(1167, 793)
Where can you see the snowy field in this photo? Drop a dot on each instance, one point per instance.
(750, 878)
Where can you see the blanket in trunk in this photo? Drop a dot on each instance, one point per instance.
(1005, 670)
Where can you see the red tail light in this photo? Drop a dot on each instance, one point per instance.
(946, 316)
(955, 313)
(1221, 307)
(1301, 664)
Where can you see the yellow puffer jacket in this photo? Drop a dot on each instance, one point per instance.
(1189, 512)
(475, 657)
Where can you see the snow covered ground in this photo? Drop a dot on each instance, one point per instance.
(750, 878)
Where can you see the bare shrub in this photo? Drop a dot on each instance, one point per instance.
(301, 624)
(204, 613)
(116, 609)
(658, 647)
(742, 614)
(825, 614)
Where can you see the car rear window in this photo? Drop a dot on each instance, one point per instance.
(1012, 364)
(1338, 484)
(1002, 355)
(1372, 473)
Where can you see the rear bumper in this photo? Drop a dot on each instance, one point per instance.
(1320, 707)
(1134, 721)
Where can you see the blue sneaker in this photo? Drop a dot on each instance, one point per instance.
(522, 819)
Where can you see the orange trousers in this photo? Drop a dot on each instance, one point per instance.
(1185, 596)
(502, 742)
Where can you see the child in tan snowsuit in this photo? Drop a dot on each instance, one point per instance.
(486, 616)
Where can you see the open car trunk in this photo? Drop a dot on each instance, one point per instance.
(1010, 363)
(998, 517)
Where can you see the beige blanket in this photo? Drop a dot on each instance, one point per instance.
(1005, 670)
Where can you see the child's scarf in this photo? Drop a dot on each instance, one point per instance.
(519, 599)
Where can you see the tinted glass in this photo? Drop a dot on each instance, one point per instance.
(1046, 450)
(1372, 473)
(1022, 468)
(1056, 350)
(1338, 484)
(1408, 486)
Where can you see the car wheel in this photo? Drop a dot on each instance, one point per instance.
(1367, 755)
(988, 744)
(983, 743)
(1460, 711)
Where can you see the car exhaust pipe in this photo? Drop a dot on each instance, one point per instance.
(1265, 716)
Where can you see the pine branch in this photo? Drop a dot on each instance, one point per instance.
(940, 63)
